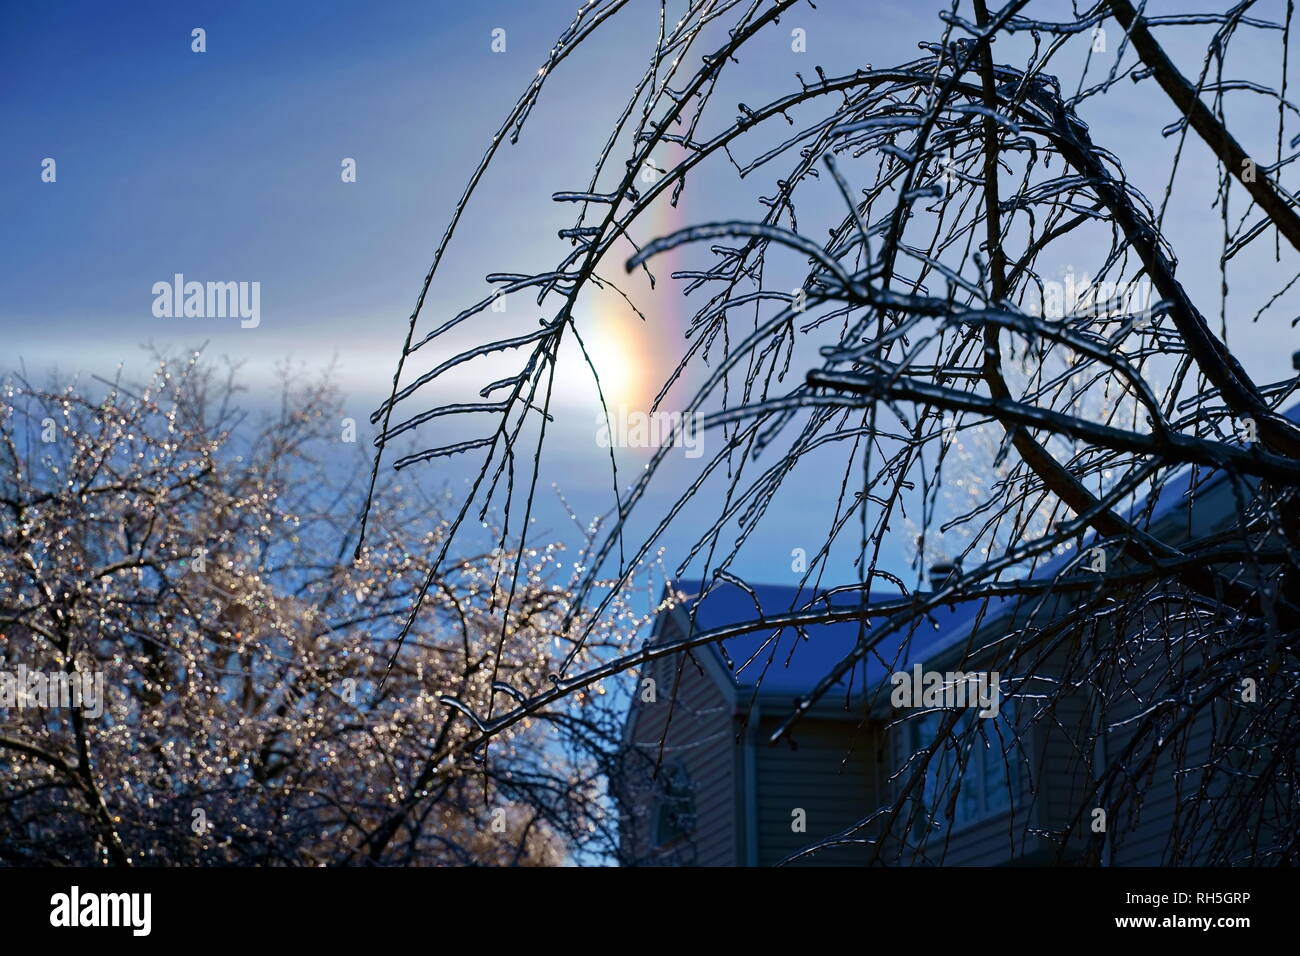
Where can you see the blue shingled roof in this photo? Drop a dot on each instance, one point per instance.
(1175, 492)
(790, 664)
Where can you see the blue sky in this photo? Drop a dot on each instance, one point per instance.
(226, 166)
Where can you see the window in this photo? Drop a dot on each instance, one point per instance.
(674, 816)
(979, 757)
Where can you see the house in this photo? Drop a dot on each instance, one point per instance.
(726, 797)
(721, 794)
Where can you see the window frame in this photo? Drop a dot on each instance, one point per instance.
(676, 796)
(919, 731)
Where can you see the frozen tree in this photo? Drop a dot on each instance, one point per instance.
(193, 556)
(926, 212)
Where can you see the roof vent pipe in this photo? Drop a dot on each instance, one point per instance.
(941, 572)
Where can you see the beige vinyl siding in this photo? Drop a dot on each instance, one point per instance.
(832, 776)
(1139, 831)
(1068, 758)
(701, 739)
(993, 841)
(1144, 839)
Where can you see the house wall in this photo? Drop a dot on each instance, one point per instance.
(833, 775)
(700, 738)
(994, 841)
(1163, 792)
(1064, 746)
(1069, 756)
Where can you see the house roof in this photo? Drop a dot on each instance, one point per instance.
(1174, 493)
(786, 662)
